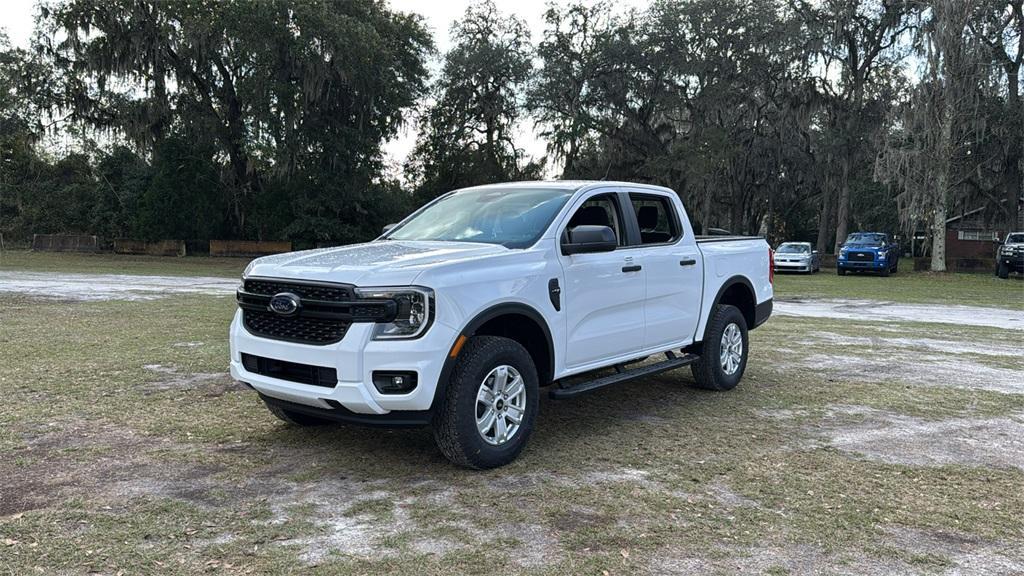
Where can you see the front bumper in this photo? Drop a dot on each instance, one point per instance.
(792, 266)
(1012, 261)
(354, 358)
(861, 265)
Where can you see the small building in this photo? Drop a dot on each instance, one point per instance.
(971, 235)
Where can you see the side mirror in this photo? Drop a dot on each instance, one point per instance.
(388, 228)
(814, 251)
(586, 239)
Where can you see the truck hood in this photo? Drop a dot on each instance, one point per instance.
(379, 263)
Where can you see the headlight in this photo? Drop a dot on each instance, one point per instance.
(1006, 250)
(881, 255)
(248, 269)
(415, 311)
(844, 250)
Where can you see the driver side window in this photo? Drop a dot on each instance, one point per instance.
(600, 210)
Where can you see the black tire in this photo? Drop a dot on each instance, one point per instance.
(1003, 271)
(841, 271)
(455, 428)
(885, 272)
(707, 371)
(295, 418)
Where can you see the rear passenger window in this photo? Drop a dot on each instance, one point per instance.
(654, 214)
(599, 211)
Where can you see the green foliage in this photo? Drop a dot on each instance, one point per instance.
(232, 118)
(467, 135)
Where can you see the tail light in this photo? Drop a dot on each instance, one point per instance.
(771, 266)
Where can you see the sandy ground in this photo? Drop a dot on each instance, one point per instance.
(68, 286)
(873, 310)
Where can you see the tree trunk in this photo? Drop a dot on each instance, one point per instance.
(824, 217)
(843, 207)
(1012, 176)
(945, 156)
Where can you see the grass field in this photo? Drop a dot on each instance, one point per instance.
(849, 447)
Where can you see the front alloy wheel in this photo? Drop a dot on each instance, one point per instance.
(500, 405)
(490, 404)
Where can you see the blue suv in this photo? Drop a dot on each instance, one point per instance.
(868, 251)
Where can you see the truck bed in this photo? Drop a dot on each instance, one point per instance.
(705, 239)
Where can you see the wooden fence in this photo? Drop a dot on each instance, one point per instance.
(249, 248)
(65, 243)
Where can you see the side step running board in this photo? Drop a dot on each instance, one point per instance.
(622, 375)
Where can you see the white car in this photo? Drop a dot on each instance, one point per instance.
(456, 317)
(797, 257)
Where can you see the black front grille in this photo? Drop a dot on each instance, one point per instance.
(861, 256)
(325, 292)
(294, 328)
(317, 324)
(291, 371)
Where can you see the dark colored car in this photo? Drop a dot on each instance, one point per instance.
(1010, 256)
(868, 252)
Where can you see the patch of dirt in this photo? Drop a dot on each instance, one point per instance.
(99, 287)
(880, 311)
(345, 530)
(208, 384)
(924, 361)
(800, 559)
(900, 439)
(968, 555)
(950, 554)
(106, 462)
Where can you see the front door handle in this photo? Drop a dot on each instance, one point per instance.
(687, 262)
(633, 268)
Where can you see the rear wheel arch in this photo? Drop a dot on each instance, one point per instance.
(739, 292)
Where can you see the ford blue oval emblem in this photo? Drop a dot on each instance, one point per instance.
(284, 303)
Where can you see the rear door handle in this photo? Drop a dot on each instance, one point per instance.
(687, 262)
(634, 268)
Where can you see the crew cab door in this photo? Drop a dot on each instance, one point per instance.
(603, 294)
(674, 270)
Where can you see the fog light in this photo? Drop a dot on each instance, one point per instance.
(394, 382)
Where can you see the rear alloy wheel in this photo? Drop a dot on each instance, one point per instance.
(724, 357)
(490, 405)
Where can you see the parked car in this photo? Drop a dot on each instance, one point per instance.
(797, 257)
(1010, 256)
(868, 252)
(455, 317)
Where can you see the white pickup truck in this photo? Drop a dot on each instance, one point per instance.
(457, 316)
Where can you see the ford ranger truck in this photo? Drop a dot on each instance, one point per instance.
(1010, 255)
(458, 316)
(868, 252)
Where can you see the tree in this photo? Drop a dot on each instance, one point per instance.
(855, 42)
(282, 90)
(999, 26)
(467, 136)
(930, 152)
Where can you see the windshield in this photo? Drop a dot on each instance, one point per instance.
(1015, 239)
(872, 239)
(512, 217)
(794, 249)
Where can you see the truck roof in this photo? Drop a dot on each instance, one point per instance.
(573, 185)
